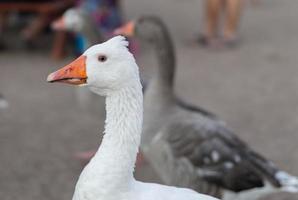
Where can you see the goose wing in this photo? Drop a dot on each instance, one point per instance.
(193, 108)
(217, 155)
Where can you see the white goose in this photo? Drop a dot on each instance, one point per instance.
(77, 20)
(109, 70)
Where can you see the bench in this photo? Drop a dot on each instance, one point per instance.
(45, 8)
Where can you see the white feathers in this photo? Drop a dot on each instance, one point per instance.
(109, 174)
(117, 71)
(115, 44)
(215, 156)
(118, 41)
(289, 183)
(229, 165)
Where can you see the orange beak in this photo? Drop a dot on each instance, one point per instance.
(58, 24)
(127, 29)
(73, 73)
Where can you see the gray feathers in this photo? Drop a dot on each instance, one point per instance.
(189, 146)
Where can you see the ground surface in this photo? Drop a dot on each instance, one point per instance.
(254, 88)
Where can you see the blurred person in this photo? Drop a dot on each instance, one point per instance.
(105, 14)
(230, 11)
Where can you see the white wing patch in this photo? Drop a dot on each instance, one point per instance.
(215, 156)
(229, 165)
(289, 182)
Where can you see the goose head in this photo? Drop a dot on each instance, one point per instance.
(147, 28)
(73, 19)
(104, 68)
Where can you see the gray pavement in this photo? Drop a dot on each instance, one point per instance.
(254, 88)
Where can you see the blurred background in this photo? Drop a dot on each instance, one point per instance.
(250, 81)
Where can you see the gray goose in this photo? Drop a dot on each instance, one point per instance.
(187, 145)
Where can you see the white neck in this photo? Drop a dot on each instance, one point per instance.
(111, 169)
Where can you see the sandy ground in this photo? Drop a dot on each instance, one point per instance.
(254, 88)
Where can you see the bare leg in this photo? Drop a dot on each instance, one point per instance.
(212, 12)
(232, 16)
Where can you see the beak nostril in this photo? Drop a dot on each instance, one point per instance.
(69, 70)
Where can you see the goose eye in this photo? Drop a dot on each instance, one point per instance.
(102, 58)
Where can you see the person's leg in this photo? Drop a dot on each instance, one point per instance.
(212, 12)
(232, 16)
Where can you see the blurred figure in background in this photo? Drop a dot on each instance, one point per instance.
(43, 19)
(105, 15)
(230, 11)
(40, 13)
